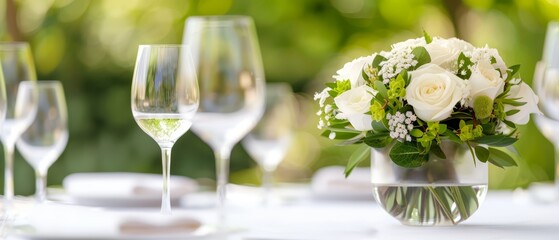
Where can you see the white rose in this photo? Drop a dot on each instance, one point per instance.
(433, 92)
(445, 52)
(485, 80)
(352, 71)
(525, 93)
(353, 104)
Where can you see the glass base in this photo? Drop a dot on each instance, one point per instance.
(430, 205)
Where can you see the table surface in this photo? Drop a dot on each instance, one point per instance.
(503, 215)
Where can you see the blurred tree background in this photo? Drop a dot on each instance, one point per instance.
(91, 45)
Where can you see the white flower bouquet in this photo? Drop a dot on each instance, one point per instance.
(424, 91)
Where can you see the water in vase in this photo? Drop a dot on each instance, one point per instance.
(430, 204)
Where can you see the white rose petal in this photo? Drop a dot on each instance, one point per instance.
(499, 63)
(525, 93)
(352, 71)
(361, 122)
(485, 80)
(433, 92)
(445, 52)
(355, 100)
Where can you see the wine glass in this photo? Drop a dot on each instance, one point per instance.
(269, 141)
(17, 66)
(227, 58)
(45, 139)
(164, 100)
(546, 86)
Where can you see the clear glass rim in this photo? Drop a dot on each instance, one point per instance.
(221, 19)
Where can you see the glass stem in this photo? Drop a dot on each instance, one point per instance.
(266, 186)
(41, 185)
(9, 170)
(222, 169)
(166, 196)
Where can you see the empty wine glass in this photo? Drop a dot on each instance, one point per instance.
(268, 142)
(546, 86)
(227, 58)
(45, 139)
(17, 66)
(164, 100)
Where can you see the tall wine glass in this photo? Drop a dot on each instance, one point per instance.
(546, 86)
(269, 141)
(227, 58)
(17, 66)
(45, 139)
(164, 100)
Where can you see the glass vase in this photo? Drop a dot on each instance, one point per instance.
(441, 192)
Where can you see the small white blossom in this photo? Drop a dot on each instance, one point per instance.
(320, 124)
(332, 135)
(400, 125)
(399, 58)
(327, 108)
(319, 113)
(322, 96)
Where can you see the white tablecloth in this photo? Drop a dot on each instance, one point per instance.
(501, 216)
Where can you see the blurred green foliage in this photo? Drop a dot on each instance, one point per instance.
(90, 45)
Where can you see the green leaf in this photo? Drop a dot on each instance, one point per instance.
(379, 126)
(407, 155)
(421, 55)
(404, 74)
(365, 75)
(482, 153)
(428, 39)
(381, 88)
(464, 64)
(512, 71)
(379, 98)
(496, 140)
(500, 158)
(377, 60)
(437, 151)
(509, 124)
(331, 85)
(452, 136)
(512, 112)
(416, 133)
(378, 140)
(513, 102)
(348, 141)
(442, 128)
(356, 157)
